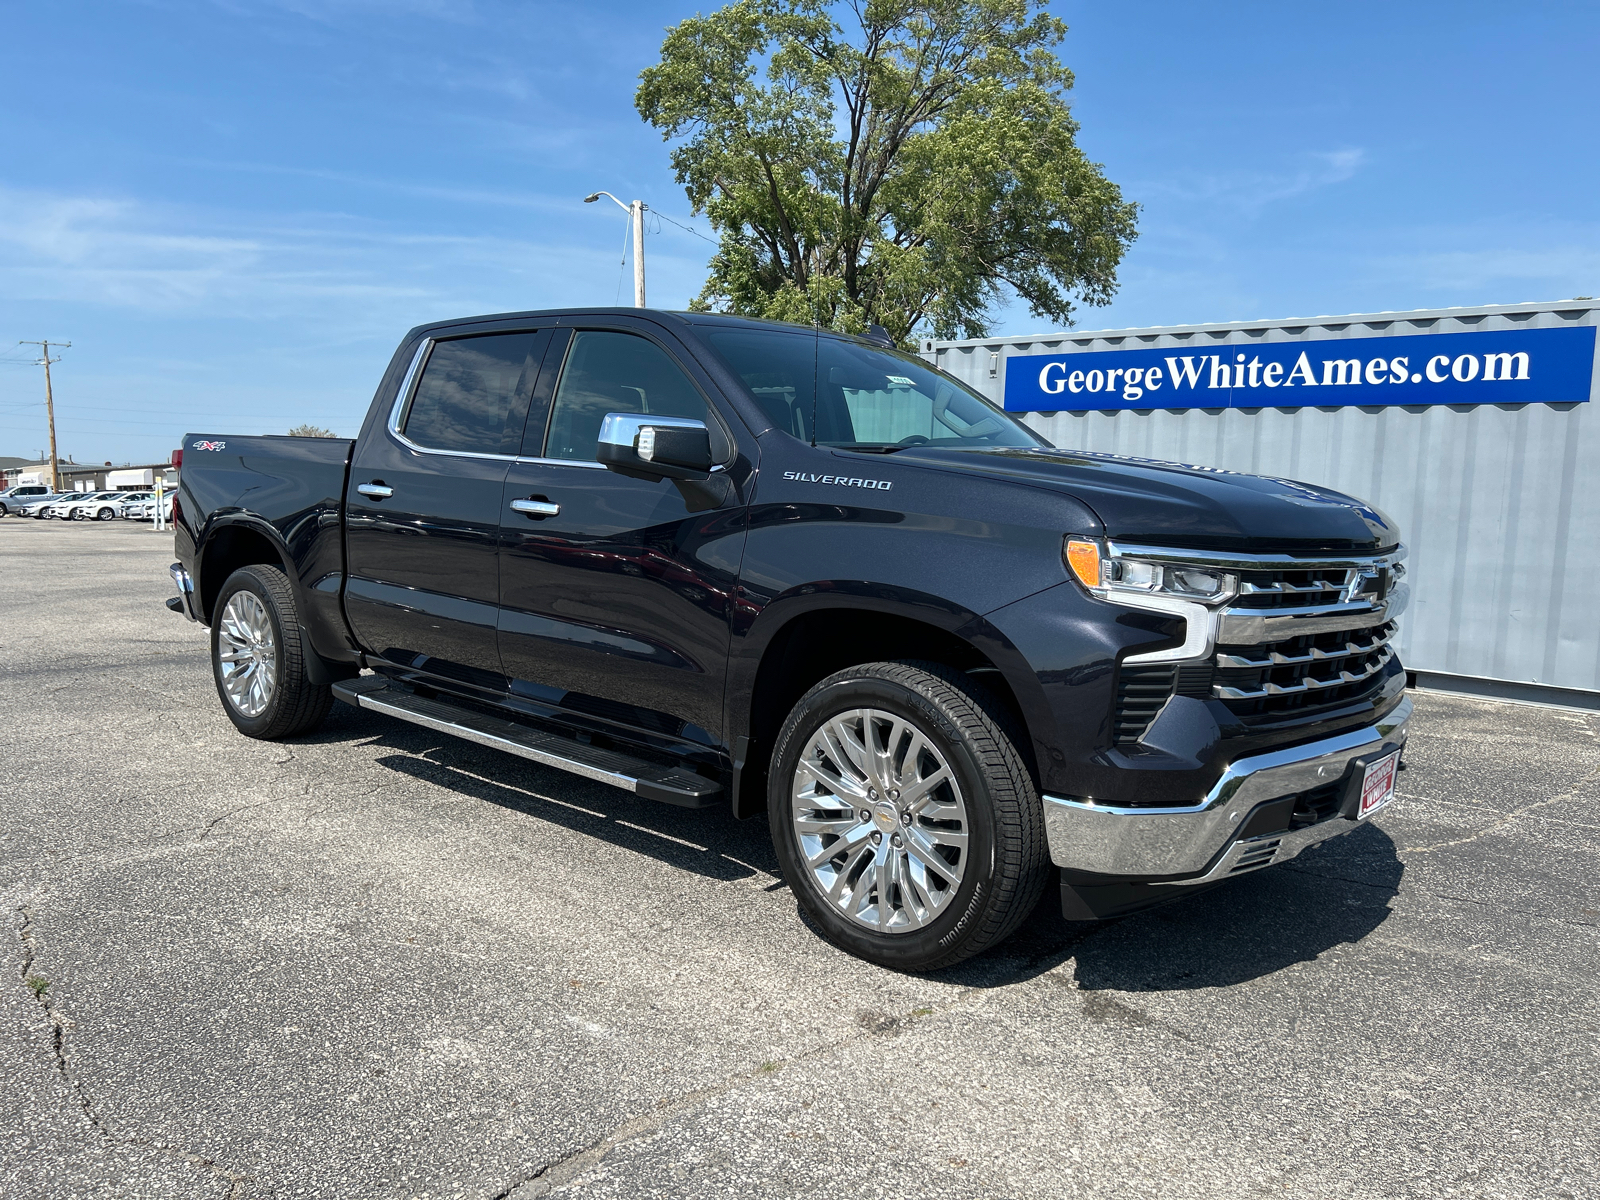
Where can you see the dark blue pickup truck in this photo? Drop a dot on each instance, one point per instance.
(726, 562)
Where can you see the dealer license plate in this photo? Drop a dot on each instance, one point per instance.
(1377, 785)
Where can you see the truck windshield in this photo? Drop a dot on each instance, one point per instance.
(861, 397)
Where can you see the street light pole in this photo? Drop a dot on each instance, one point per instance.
(636, 212)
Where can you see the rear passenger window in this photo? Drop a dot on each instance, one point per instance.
(614, 373)
(469, 390)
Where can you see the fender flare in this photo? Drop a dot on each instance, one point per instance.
(752, 644)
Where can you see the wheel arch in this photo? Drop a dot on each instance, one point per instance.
(235, 543)
(802, 639)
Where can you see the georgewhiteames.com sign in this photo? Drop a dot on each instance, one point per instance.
(1497, 367)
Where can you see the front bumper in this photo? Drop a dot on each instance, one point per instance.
(1215, 838)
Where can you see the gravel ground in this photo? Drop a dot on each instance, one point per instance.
(378, 962)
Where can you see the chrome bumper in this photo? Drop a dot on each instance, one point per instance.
(180, 576)
(1199, 843)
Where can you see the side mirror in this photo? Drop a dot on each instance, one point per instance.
(647, 447)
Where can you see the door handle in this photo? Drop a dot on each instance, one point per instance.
(536, 508)
(376, 490)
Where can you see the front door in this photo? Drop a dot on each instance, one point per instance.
(423, 509)
(615, 598)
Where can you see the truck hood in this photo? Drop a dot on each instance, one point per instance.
(1174, 504)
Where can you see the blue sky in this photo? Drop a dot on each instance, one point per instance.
(234, 209)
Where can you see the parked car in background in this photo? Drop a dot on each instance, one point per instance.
(14, 499)
(131, 500)
(101, 506)
(62, 508)
(49, 511)
(147, 510)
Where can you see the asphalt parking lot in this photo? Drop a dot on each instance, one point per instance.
(378, 962)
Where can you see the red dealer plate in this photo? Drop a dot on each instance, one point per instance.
(1377, 785)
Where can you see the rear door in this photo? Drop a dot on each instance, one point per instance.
(423, 508)
(616, 598)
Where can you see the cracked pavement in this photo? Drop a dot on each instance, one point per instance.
(381, 963)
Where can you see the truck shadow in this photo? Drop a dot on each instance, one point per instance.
(705, 842)
(1332, 895)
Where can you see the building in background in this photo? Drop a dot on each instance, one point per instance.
(1474, 428)
(84, 477)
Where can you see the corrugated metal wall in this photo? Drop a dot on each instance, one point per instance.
(1499, 504)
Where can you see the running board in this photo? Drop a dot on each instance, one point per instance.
(646, 779)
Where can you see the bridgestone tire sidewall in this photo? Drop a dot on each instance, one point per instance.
(942, 939)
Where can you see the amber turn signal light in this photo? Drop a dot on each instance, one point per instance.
(1083, 557)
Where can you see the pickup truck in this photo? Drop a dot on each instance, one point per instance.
(717, 561)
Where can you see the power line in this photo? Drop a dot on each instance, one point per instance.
(684, 227)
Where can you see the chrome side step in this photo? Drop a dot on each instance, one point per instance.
(646, 779)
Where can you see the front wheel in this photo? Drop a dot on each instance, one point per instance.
(106, 514)
(904, 817)
(259, 660)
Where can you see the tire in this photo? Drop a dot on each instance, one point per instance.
(984, 820)
(256, 622)
(106, 514)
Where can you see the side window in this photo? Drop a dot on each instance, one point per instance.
(614, 373)
(468, 390)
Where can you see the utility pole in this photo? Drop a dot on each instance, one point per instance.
(636, 212)
(50, 408)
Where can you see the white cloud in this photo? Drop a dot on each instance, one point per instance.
(169, 260)
(1253, 190)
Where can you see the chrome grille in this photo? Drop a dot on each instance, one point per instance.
(1311, 663)
(1295, 639)
(1304, 638)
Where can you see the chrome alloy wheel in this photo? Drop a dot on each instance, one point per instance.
(247, 654)
(880, 820)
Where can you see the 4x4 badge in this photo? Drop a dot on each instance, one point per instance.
(209, 446)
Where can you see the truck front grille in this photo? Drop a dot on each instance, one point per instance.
(1280, 673)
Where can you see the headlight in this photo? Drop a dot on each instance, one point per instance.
(1109, 575)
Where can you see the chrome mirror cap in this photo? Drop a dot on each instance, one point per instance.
(648, 447)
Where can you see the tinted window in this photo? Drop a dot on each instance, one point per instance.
(614, 373)
(468, 390)
(860, 395)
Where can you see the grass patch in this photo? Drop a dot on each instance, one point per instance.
(39, 984)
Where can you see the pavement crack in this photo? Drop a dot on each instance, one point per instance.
(40, 987)
(232, 812)
(581, 1162)
(1509, 818)
(59, 1024)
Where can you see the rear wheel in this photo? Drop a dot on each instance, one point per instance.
(904, 817)
(105, 514)
(259, 660)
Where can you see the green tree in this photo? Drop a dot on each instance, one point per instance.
(907, 172)
(311, 431)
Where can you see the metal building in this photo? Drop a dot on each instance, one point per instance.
(1474, 428)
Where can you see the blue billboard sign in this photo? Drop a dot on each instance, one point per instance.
(1514, 366)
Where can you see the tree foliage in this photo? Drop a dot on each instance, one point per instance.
(311, 431)
(907, 173)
